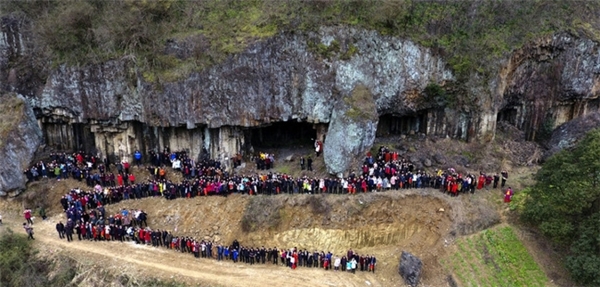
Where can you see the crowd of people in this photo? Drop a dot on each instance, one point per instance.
(86, 215)
(130, 225)
(92, 224)
(385, 171)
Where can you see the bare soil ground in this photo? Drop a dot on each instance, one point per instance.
(387, 225)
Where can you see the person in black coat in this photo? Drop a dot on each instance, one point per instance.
(142, 218)
(64, 202)
(372, 263)
(60, 228)
(69, 230)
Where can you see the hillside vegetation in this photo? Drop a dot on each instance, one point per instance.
(564, 204)
(472, 34)
(494, 257)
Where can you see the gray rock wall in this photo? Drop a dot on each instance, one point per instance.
(288, 77)
(351, 131)
(19, 139)
(275, 80)
(279, 79)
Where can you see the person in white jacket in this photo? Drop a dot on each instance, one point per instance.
(336, 263)
(353, 262)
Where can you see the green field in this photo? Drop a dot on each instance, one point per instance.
(494, 257)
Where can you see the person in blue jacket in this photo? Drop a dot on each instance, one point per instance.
(138, 157)
(226, 252)
(235, 255)
(219, 252)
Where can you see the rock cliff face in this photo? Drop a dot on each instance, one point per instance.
(568, 134)
(20, 136)
(549, 82)
(113, 108)
(352, 129)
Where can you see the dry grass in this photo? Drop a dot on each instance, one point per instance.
(261, 213)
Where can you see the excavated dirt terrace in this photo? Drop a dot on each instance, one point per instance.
(383, 224)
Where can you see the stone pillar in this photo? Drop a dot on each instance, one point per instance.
(225, 142)
(321, 129)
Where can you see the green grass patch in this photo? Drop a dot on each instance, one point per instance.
(495, 257)
(19, 265)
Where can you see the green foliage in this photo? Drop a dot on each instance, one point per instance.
(495, 257)
(436, 94)
(20, 267)
(584, 263)
(350, 52)
(360, 104)
(472, 35)
(13, 247)
(518, 200)
(323, 50)
(565, 204)
(546, 129)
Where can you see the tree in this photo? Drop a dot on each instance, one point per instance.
(565, 205)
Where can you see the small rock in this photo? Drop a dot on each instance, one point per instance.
(427, 162)
(441, 210)
(215, 227)
(413, 159)
(439, 158)
(289, 158)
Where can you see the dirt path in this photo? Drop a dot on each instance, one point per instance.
(127, 258)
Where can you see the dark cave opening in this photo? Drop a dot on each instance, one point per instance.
(68, 137)
(282, 134)
(508, 115)
(390, 124)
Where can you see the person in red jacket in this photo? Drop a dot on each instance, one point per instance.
(508, 195)
(120, 180)
(27, 215)
(142, 235)
(131, 178)
(147, 237)
(318, 147)
(480, 181)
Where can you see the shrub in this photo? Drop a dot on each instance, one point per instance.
(261, 213)
(318, 205)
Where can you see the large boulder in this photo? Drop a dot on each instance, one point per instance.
(351, 131)
(20, 137)
(410, 268)
(568, 134)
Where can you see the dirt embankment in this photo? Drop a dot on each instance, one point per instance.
(382, 224)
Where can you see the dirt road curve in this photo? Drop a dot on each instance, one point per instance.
(129, 258)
